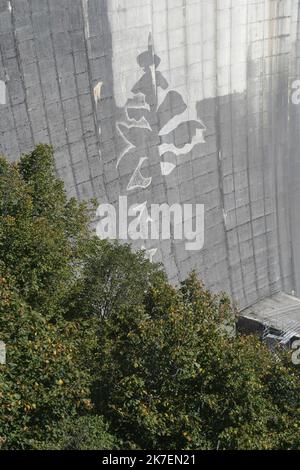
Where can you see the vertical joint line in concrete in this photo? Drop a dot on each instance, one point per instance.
(247, 148)
(19, 63)
(218, 145)
(60, 98)
(83, 4)
(41, 84)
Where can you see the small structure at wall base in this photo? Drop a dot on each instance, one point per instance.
(275, 319)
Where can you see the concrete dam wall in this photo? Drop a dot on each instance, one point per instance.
(169, 101)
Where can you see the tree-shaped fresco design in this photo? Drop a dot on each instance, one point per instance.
(150, 123)
(156, 129)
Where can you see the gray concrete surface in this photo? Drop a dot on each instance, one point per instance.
(191, 97)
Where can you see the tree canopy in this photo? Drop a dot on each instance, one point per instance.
(103, 353)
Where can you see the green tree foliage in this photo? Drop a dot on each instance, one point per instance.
(42, 237)
(112, 277)
(87, 432)
(42, 382)
(41, 232)
(102, 352)
(172, 377)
